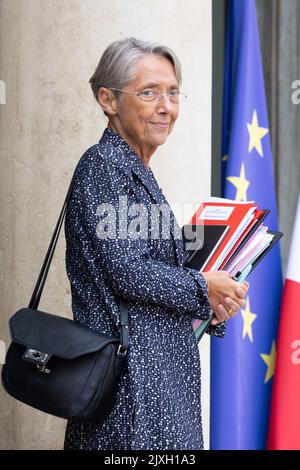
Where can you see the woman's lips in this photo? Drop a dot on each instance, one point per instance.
(162, 125)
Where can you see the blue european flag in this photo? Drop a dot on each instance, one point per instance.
(242, 365)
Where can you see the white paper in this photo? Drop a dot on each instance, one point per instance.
(216, 213)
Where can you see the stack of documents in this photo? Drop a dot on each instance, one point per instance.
(229, 236)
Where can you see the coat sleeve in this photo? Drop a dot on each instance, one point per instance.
(125, 260)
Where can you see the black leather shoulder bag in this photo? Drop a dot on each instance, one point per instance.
(58, 365)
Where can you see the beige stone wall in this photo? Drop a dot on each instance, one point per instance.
(48, 51)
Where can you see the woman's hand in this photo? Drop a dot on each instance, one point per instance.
(226, 296)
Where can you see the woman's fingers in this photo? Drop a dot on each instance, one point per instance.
(231, 304)
(228, 310)
(241, 290)
(221, 313)
(226, 296)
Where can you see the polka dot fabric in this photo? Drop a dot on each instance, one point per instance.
(158, 400)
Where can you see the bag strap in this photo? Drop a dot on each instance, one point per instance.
(38, 289)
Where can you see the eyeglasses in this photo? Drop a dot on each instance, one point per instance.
(153, 95)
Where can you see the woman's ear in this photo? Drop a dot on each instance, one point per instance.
(107, 101)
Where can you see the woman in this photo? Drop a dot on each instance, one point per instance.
(115, 250)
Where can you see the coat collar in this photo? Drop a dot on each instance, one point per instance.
(129, 162)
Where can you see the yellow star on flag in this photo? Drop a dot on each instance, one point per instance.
(270, 360)
(248, 318)
(225, 158)
(256, 134)
(241, 184)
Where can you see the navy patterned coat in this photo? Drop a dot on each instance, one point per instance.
(158, 402)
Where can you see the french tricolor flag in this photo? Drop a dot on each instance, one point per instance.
(284, 429)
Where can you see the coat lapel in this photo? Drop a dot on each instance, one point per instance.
(129, 162)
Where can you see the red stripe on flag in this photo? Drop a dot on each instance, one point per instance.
(284, 430)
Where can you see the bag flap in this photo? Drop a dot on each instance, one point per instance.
(54, 335)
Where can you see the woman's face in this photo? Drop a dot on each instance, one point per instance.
(148, 124)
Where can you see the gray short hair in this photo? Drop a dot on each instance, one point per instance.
(116, 66)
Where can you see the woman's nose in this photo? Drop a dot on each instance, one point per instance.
(164, 103)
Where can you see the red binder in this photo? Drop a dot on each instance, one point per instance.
(237, 216)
